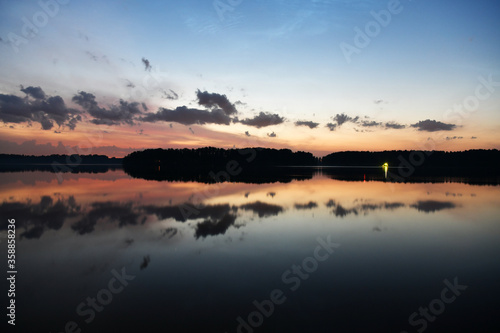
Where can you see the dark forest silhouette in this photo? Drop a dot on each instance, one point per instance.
(263, 165)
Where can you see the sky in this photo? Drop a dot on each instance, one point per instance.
(112, 77)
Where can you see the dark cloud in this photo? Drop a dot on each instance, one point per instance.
(342, 118)
(213, 100)
(171, 95)
(433, 126)
(147, 64)
(263, 209)
(309, 124)
(263, 119)
(123, 113)
(431, 206)
(44, 109)
(378, 101)
(35, 92)
(448, 138)
(247, 133)
(32, 148)
(331, 126)
(394, 125)
(370, 123)
(474, 137)
(129, 84)
(306, 206)
(271, 135)
(186, 116)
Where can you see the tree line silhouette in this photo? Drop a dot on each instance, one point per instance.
(256, 165)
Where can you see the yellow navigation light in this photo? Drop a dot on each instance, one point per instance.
(385, 165)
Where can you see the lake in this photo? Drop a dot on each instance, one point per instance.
(106, 252)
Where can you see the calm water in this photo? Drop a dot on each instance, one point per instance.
(109, 253)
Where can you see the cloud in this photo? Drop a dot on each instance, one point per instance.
(309, 124)
(32, 148)
(368, 123)
(448, 138)
(271, 135)
(213, 100)
(147, 64)
(343, 118)
(332, 127)
(35, 92)
(474, 137)
(171, 95)
(44, 109)
(394, 125)
(247, 133)
(378, 101)
(123, 113)
(433, 126)
(263, 119)
(187, 116)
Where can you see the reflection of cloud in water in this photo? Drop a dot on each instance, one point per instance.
(50, 213)
(188, 211)
(263, 209)
(365, 208)
(169, 232)
(145, 262)
(431, 206)
(36, 218)
(214, 227)
(309, 205)
(111, 211)
(340, 211)
(330, 204)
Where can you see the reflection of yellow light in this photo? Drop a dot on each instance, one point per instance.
(386, 167)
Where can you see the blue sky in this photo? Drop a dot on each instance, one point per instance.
(277, 57)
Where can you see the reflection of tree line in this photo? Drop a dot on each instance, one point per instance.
(51, 214)
(266, 165)
(59, 163)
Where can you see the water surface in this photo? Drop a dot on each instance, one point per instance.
(209, 257)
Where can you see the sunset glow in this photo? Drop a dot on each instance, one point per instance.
(321, 76)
